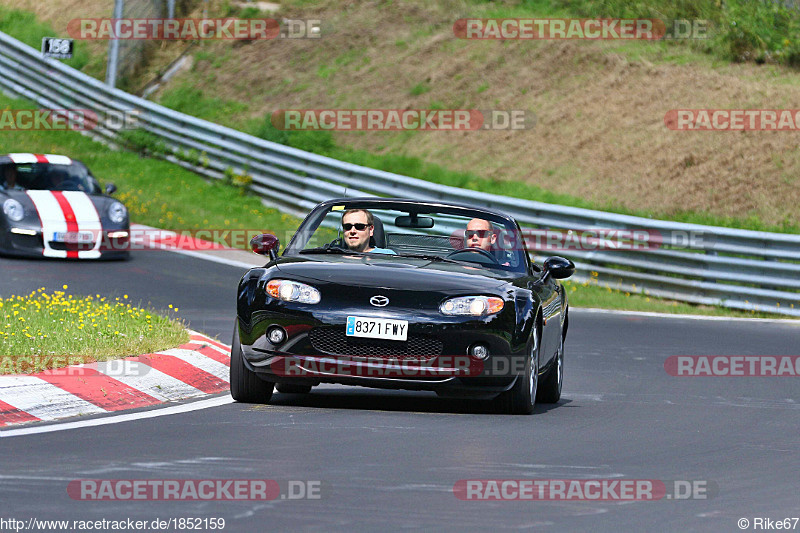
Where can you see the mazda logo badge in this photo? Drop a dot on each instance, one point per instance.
(379, 301)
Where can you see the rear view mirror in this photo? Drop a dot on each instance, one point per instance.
(413, 221)
(111, 188)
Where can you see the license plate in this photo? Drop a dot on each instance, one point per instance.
(73, 237)
(377, 328)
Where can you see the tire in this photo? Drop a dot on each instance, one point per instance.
(550, 388)
(521, 398)
(246, 386)
(291, 388)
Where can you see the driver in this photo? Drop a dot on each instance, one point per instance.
(10, 175)
(480, 234)
(358, 226)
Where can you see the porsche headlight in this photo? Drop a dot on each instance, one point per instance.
(13, 210)
(292, 291)
(117, 213)
(472, 306)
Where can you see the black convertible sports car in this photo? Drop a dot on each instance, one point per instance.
(423, 306)
(54, 207)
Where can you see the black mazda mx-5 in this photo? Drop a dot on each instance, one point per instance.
(402, 294)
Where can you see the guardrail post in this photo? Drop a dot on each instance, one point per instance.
(113, 46)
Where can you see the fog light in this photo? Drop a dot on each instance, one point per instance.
(276, 335)
(481, 351)
(23, 231)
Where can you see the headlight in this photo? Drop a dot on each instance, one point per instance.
(292, 291)
(13, 210)
(117, 213)
(472, 305)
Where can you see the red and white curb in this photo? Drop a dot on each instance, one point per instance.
(197, 368)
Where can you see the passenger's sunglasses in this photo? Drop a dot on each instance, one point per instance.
(359, 226)
(481, 233)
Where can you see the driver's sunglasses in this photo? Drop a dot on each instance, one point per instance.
(359, 226)
(481, 233)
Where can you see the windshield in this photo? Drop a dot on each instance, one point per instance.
(46, 176)
(453, 235)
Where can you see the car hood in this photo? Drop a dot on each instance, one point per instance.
(62, 206)
(393, 273)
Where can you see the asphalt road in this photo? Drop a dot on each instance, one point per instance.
(389, 460)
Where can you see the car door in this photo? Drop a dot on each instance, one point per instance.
(548, 290)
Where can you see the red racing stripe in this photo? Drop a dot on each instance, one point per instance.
(11, 415)
(98, 388)
(40, 158)
(69, 216)
(183, 371)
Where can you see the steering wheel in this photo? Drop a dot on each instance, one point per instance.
(336, 243)
(469, 251)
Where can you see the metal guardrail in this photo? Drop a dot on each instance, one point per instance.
(741, 269)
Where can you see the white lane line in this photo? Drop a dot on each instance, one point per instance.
(200, 361)
(155, 383)
(796, 322)
(215, 259)
(116, 419)
(27, 392)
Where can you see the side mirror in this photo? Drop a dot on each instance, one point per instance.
(266, 244)
(559, 267)
(111, 188)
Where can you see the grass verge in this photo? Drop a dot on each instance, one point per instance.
(39, 329)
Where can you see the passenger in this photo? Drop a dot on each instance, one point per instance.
(358, 227)
(480, 234)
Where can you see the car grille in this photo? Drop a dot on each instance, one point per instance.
(72, 247)
(333, 341)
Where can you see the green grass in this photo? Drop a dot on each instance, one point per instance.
(39, 325)
(591, 295)
(738, 30)
(420, 88)
(190, 100)
(24, 27)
